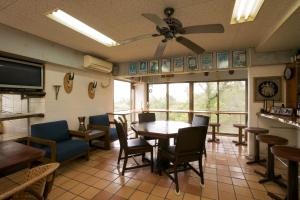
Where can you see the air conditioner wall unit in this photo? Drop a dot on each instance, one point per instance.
(90, 62)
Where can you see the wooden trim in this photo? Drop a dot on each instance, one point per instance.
(167, 99)
(50, 143)
(12, 116)
(191, 102)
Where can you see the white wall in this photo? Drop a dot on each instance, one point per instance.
(68, 106)
(275, 128)
(77, 103)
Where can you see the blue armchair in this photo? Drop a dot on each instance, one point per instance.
(101, 122)
(56, 140)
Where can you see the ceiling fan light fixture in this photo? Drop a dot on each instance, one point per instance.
(245, 10)
(71, 22)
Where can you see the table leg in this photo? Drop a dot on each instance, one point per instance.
(240, 138)
(213, 135)
(256, 153)
(162, 163)
(270, 174)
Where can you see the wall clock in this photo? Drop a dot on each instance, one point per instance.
(288, 73)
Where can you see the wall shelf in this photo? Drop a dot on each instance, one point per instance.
(4, 116)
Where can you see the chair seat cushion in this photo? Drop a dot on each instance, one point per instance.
(138, 143)
(68, 149)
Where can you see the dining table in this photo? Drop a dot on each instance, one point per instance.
(163, 131)
(14, 154)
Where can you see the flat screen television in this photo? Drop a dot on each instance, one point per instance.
(21, 75)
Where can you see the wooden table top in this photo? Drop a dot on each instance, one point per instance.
(159, 129)
(13, 153)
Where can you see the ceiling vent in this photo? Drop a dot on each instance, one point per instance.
(90, 62)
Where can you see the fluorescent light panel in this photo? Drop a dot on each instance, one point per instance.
(75, 24)
(245, 10)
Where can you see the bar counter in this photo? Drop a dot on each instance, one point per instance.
(288, 120)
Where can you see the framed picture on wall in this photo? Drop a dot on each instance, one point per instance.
(239, 58)
(192, 63)
(178, 64)
(206, 61)
(133, 68)
(222, 60)
(153, 64)
(267, 88)
(165, 65)
(143, 68)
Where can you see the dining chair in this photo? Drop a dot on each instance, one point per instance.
(201, 120)
(189, 148)
(34, 183)
(148, 117)
(132, 147)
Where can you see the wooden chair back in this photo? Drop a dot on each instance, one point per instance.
(190, 143)
(147, 117)
(121, 134)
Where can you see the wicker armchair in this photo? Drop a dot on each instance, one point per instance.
(34, 183)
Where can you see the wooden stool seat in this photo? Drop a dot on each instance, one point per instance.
(213, 132)
(292, 154)
(271, 140)
(256, 131)
(240, 135)
(286, 152)
(239, 125)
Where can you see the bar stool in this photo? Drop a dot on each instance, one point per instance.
(271, 140)
(240, 141)
(213, 132)
(256, 131)
(293, 156)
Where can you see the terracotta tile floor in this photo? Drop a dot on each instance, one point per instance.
(227, 176)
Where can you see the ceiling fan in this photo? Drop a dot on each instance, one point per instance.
(170, 28)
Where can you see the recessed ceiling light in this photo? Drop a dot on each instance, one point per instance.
(245, 10)
(75, 24)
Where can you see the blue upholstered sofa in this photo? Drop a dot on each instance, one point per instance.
(56, 140)
(102, 122)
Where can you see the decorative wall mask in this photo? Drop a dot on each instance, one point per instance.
(105, 85)
(68, 82)
(92, 89)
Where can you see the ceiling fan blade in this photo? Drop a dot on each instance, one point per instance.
(136, 38)
(156, 20)
(208, 28)
(190, 45)
(160, 50)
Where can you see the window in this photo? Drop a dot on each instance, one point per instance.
(179, 100)
(223, 101)
(158, 99)
(232, 97)
(122, 95)
(205, 96)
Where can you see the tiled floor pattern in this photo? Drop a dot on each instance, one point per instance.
(227, 177)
